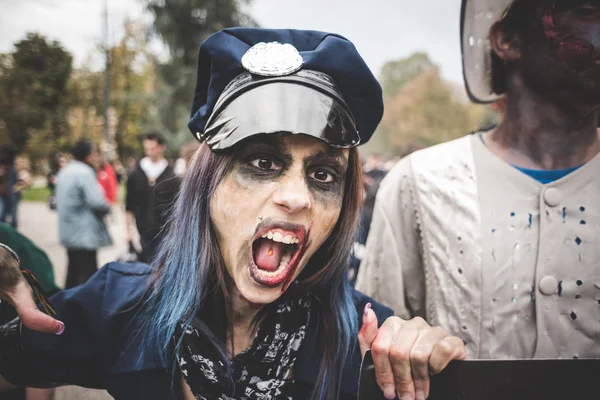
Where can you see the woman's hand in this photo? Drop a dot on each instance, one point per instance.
(407, 353)
(15, 290)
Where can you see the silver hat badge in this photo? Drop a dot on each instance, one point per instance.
(272, 59)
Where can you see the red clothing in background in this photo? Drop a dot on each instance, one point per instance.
(108, 180)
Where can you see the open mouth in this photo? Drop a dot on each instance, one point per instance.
(276, 252)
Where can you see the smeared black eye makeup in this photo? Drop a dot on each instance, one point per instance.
(326, 171)
(264, 159)
(324, 178)
(322, 175)
(265, 163)
(267, 158)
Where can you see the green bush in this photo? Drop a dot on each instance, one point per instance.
(36, 194)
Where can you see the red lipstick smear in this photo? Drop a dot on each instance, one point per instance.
(298, 258)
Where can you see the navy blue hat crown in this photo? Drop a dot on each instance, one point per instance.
(220, 62)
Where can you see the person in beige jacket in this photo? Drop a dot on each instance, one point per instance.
(496, 236)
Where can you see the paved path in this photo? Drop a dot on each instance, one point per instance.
(39, 224)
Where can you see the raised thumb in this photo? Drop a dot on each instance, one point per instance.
(369, 330)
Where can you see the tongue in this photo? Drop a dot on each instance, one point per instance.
(268, 255)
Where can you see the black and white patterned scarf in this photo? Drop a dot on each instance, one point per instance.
(259, 373)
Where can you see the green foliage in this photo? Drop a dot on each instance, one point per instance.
(421, 109)
(46, 106)
(37, 194)
(395, 74)
(183, 25)
(133, 91)
(33, 83)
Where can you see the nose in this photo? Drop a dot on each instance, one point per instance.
(292, 196)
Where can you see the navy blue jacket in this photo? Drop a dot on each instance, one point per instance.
(100, 347)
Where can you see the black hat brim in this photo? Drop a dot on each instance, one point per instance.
(282, 106)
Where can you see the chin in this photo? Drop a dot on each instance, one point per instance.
(256, 292)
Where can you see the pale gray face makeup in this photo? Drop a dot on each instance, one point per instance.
(275, 208)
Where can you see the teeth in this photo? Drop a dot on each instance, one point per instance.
(278, 237)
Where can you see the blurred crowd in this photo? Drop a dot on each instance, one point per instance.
(84, 187)
(15, 178)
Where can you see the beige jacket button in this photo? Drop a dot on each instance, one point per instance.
(552, 197)
(549, 285)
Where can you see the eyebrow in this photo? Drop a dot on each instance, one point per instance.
(276, 144)
(330, 154)
(267, 143)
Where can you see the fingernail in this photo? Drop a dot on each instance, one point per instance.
(60, 329)
(367, 308)
(407, 396)
(420, 395)
(389, 391)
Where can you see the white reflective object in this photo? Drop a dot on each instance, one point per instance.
(272, 59)
(478, 18)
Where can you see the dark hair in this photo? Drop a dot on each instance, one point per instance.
(155, 137)
(522, 19)
(190, 273)
(7, 155)
(82, 149)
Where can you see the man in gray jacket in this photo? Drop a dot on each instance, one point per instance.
(81, 209)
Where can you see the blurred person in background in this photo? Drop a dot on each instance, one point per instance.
(151, 189)
(58, 163)
(185, 154)
(131, 165)
(180, 166)
(495, 236)
(4, 187)
(81, 209)
(108, 180)
(23, 181)
(374, 170)
(120, 172)
(8, 178)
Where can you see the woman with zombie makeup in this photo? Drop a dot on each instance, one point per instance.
(249, 295)
(496, 236)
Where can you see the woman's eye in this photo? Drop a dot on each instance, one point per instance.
(265, 164)
(322, 176)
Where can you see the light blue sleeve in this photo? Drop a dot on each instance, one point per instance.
(92, 192)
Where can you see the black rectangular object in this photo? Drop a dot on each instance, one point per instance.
(503, 380)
